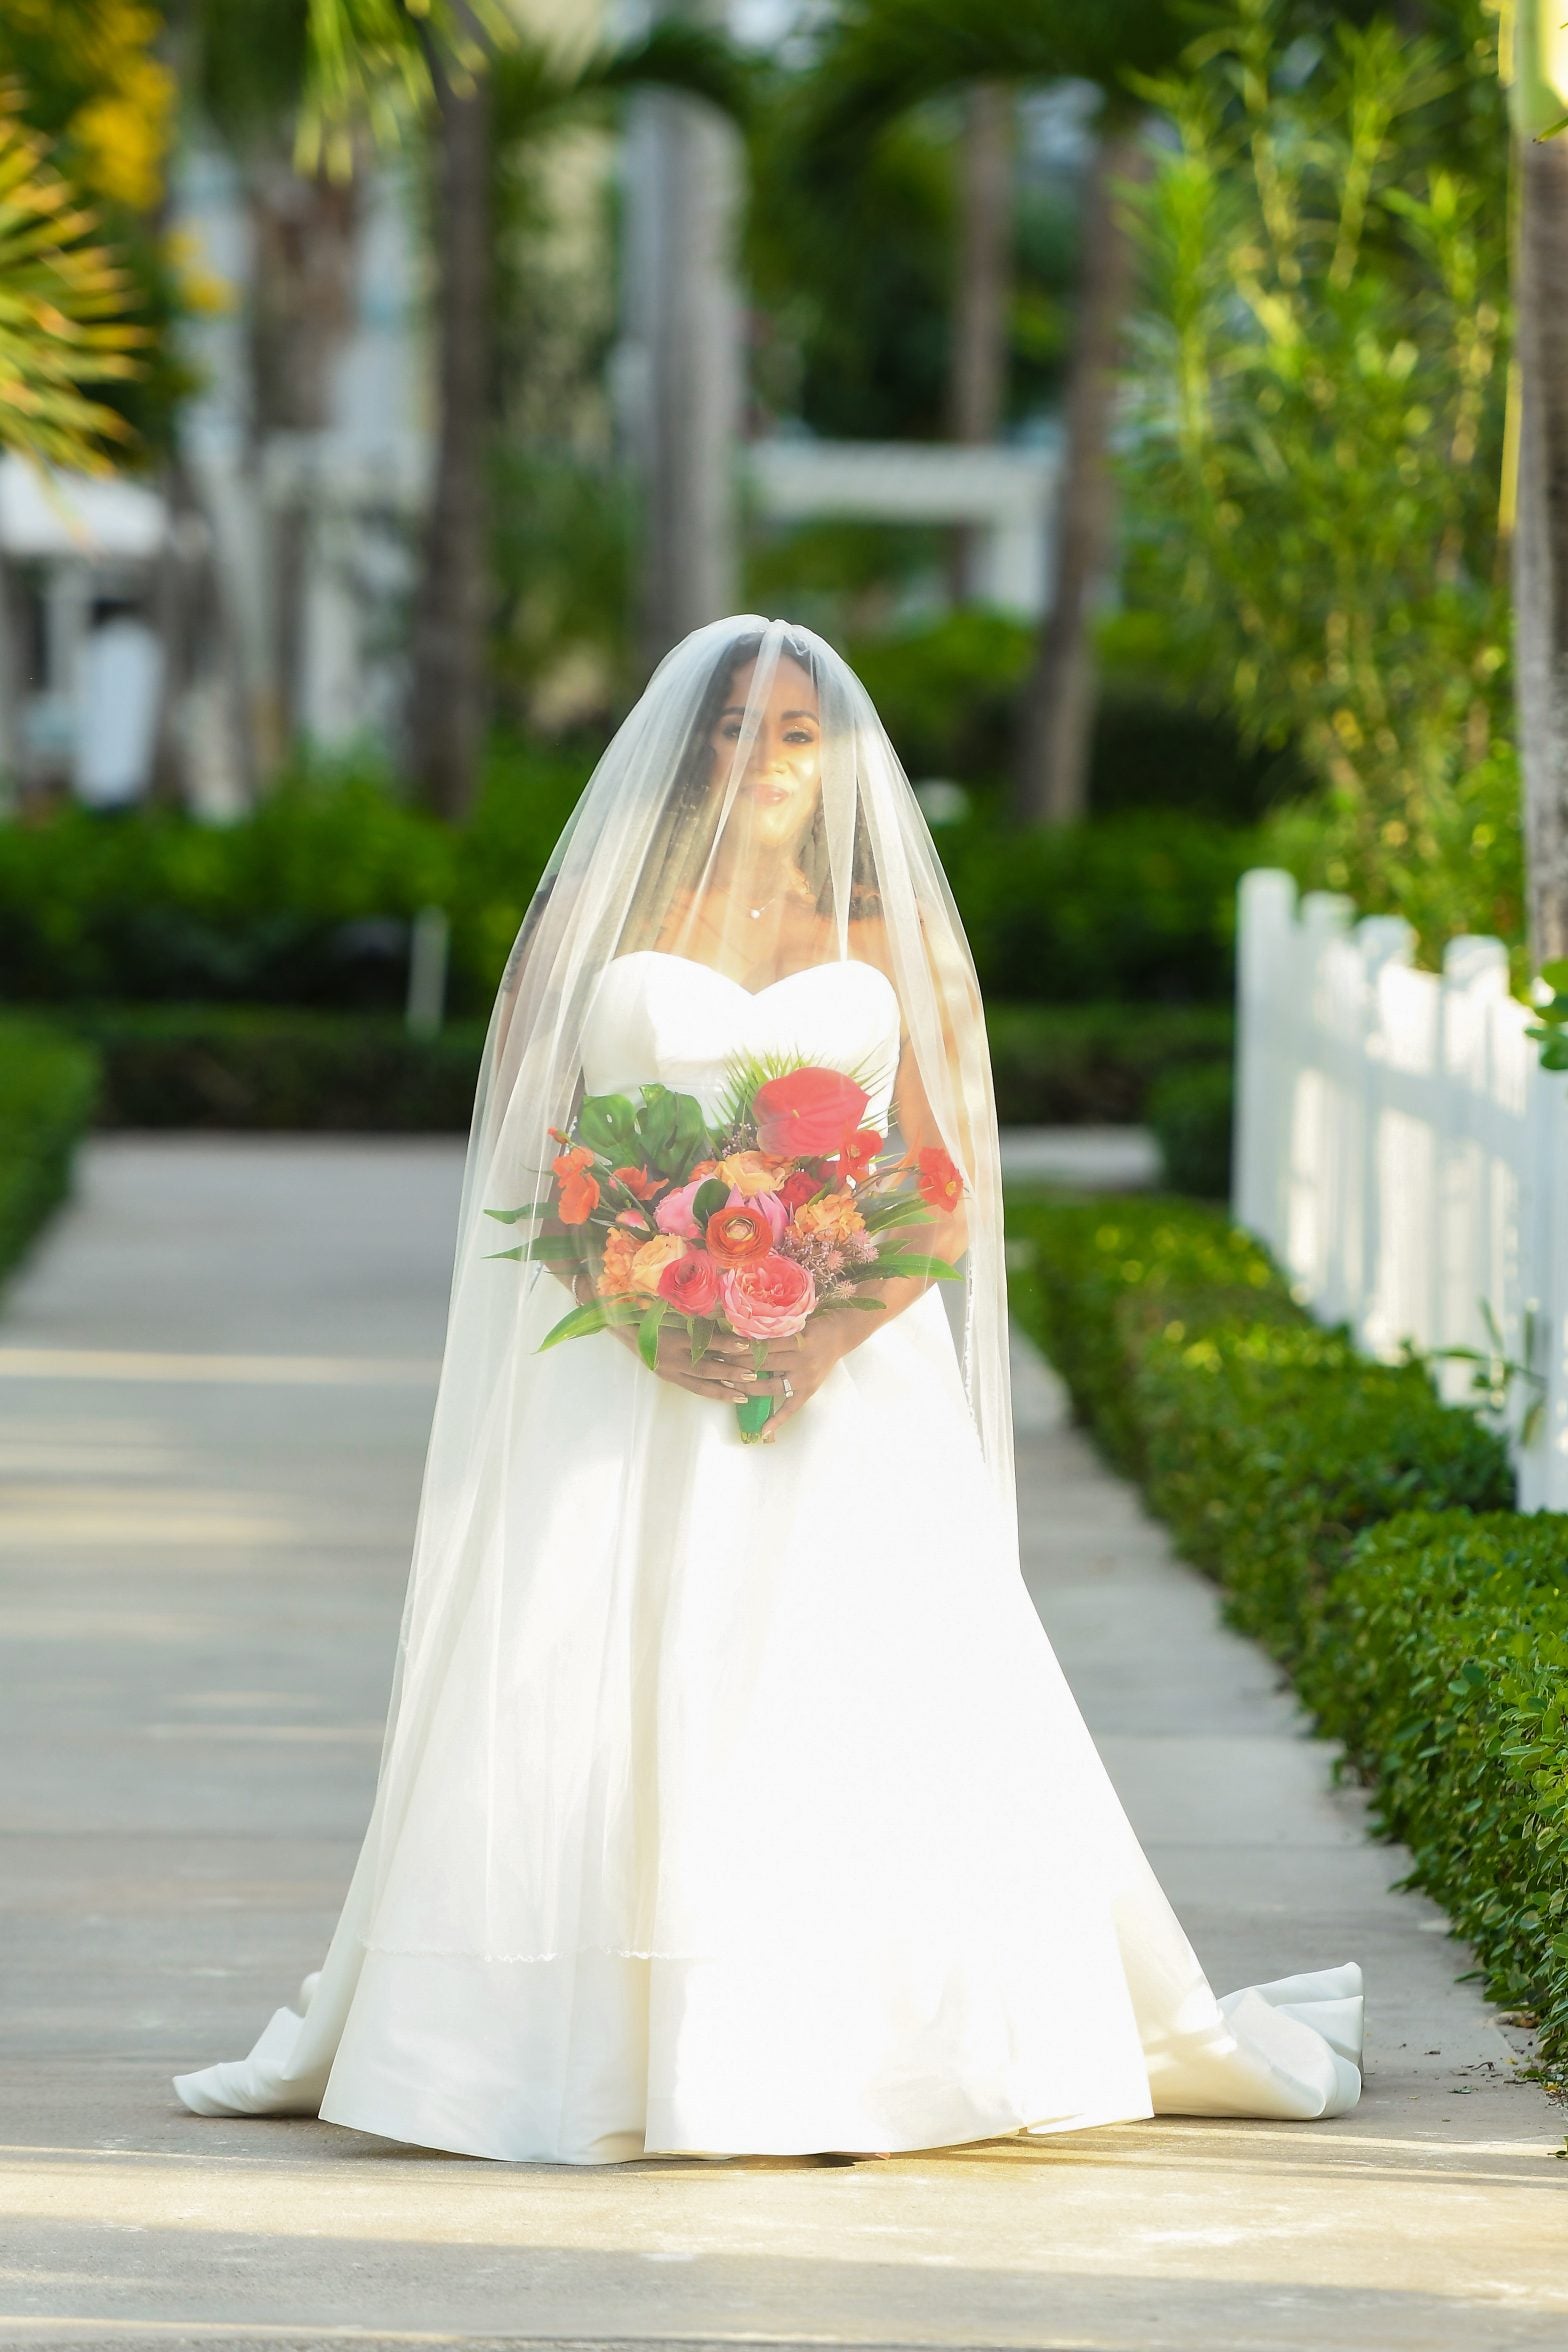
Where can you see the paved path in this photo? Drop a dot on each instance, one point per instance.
(213, 1392)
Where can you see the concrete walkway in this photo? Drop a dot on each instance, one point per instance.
(214, 1385)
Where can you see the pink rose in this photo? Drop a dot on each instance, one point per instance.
(691, 1284)
(674, 1212)
(769, 1298)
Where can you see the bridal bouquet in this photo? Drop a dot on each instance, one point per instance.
(784, 1209)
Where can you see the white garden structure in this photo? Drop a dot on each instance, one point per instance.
(1404, 1155)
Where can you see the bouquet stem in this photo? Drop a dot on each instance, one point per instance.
(753, 1417)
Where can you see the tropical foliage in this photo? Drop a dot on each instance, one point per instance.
(63, 298)
(1316, 443)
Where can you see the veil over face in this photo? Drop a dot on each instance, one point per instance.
(750, 816)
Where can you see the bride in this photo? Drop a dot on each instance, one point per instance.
(732, 1799)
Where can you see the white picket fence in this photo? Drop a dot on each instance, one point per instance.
(1403, 1153)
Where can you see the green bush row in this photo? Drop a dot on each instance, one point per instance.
(306, 902)
(1360, 1528)
(47, 1086)
(278, 1067)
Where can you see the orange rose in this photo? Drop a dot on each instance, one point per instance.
(738, 1234)
(832, 1216)
(615, 1275)
(751, 1172)
(650, 1260)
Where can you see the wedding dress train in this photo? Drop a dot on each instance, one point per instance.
(773, 1740)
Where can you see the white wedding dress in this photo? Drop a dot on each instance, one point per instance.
(844, 1868)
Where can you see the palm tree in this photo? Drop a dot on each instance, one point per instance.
(488, 88)
(886, 57)
(1538, 75)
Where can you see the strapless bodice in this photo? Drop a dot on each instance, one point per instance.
(664, 1019)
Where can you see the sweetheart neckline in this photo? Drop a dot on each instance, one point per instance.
(664, 955)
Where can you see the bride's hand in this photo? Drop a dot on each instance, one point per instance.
(804, 1363)
(725, 1372)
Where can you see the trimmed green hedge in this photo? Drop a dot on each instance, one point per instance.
(1444, 1669)
(270, 1068)
(1191, 1109)
(275, 1067)
(1360, 1528)
(47, 1086)
(306, 902)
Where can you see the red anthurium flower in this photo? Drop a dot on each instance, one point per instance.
(806, 1111)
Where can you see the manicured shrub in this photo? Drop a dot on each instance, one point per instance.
(1444, 1668)
(1268, 1442)
(1096, 1065)
(1191, 1109)
(1360, 1528)
(274, 1068)
(47, 1085)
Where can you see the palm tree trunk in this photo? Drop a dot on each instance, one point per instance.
(1540, 550)
(978, 380)
(1058, 716)
(687, 319)
(448, 698)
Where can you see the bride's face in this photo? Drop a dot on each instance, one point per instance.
(781, 783)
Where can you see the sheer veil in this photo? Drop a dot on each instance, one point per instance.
(657, 858)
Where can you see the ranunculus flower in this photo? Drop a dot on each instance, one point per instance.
(769, 1299)
(751, 1172)
(806, 1111)
(830, 1217)
(940, 1185)
(691, 1283)
(739, 1233)
(579, 1192)
(649, 1262)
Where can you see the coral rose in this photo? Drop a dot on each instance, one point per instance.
(650, 1260)
(615, 1275)
(831, 1217)
(739, 1233)
(769, 1299)
(806, 1111)
(691, 1283)
(579, 1192)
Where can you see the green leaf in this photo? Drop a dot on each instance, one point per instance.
(576, 1325)
(511, 1216)
(709, 1198)
(699, 1329)
(1555, 974)
(901, 1262)
(881, 1216)
(648, 1334)
(607, 1124)
(547, 1249)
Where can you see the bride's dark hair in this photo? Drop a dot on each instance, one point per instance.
(685, 835)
